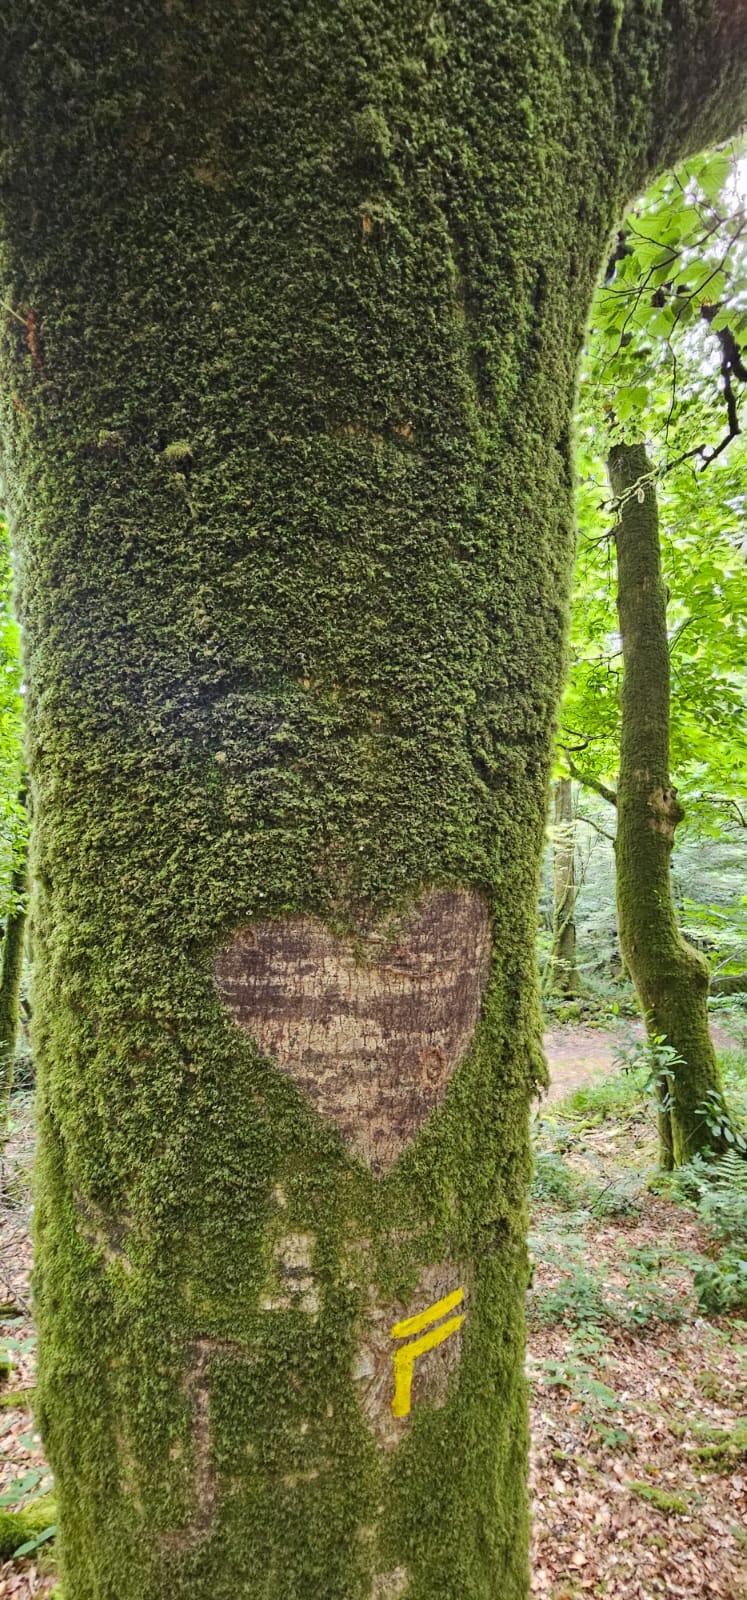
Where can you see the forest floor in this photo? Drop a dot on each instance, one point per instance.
(580, 1054)
(638, 1395)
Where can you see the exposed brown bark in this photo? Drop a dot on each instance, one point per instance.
(370, 1028)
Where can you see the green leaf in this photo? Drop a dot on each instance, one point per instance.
(714, 173)
(33, 1544)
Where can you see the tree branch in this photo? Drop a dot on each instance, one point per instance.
(588, 782)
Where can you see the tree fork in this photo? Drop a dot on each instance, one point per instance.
(671, 978)
(294, 298)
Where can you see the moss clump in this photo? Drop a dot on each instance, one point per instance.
(17, 1400)
(178, 456)
(17, 1527)
(725, 1447)
(675, 1504)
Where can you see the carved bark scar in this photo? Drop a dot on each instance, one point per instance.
(373, 1037)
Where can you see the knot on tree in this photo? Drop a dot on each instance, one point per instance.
(666, 811)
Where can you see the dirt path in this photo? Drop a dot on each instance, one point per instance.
(578, 1055)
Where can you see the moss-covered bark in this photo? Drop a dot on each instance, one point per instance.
(729, 983)
(564, 978)
(671, 978)
(11, 970)
(294, 295)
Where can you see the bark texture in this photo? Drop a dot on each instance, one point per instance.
(371, 1029)
(671, 978)
(11, 971)
(293, 301)
(564, 972)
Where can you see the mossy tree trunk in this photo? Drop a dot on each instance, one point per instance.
(671, 978)
(11, 969)
(729, 983)
(564, 978)
(293, 302)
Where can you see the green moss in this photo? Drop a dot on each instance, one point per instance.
(11, 965)
(289, 465)
(671, 978)
(178, 455)
(16, 1527)
(662, 1499)
(17, 1399)
(725, 1447)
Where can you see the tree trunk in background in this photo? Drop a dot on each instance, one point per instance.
(564, 972)
(671, 978)
(729, 983)
(11, 971)
(294, 296)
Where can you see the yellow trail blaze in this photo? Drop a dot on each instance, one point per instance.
(431, 1314)
(404, 1359)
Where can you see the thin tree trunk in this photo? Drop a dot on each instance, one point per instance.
(11, 972)
(671, 978)
(564, 978)
(729, 983)
(293, 301)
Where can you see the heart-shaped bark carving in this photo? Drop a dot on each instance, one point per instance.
(372, 1037)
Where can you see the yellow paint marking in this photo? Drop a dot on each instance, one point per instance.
(424, 1318)
(404, 1360)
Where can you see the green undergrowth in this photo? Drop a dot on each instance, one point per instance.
(594, 1176)
(613, 1270)
(600, 1009)
(24, 1531)
(605, 1002)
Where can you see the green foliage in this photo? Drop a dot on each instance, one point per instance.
(721, 1285)
(709, 870)
(617, 1096)
(17, 1400)
(583, 1298)
(720, 1123)
(653, 1062)
(734, 1073)
(22, 1531)
(652, 367)
(572, 1188)
(718, 1191)
(577, 1300)
(553, 1180)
